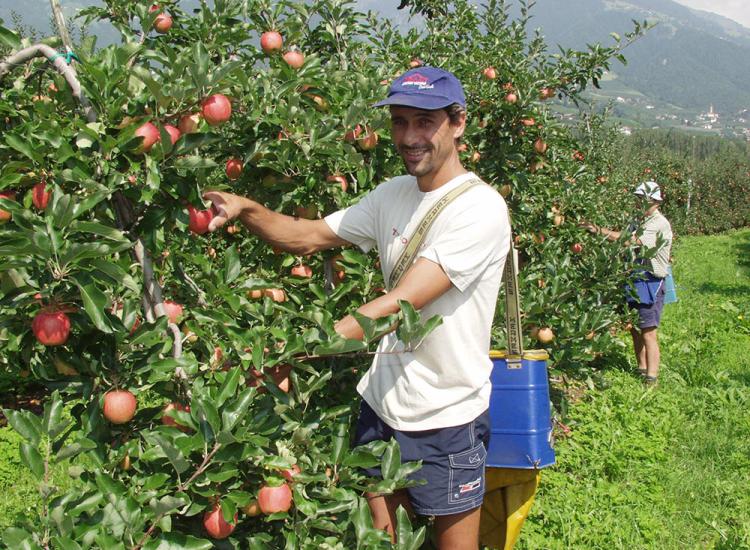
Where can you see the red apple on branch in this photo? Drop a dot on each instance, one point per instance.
(216, 109)
(51, 327)
(40, 195)
(119, 406)
(4, 214)
(215, 525)
(150, 134)
(271, 41)
(294, 58)
(275, 499)
(189, 123)
(233, 168)
(199, 219)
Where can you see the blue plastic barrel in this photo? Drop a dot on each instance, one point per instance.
(520, 416)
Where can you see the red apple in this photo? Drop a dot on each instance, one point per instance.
(490, 73)
(511, 97)
(4, 214)
(168, 420)
(352, 135)
(303, 271)
(369, 141)
(540, 146)
(545, 335)
(528, 121)
(252, 509)
(275, 499)
(51, 328)
(340, 179)
(216, 109)
(150, 135)
(290, 473)
(271, 41)
(199, 219)
(580, 157)
(233, 168)
(40, 196)
(215, 525)
(294, 58)
(415, 62)
(576, 248)
(154, 8)
(119, 406)
(173, 311)
(546, 93)
(163, 23)
(174, 133)
(189, 123)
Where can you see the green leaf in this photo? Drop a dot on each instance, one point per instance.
(194, 162)
(26, 424)
(115, 273)
(74, 449)
(406, 538)
(9, 38)
(32, 459)
(23, 147)
(338, 346)
(207, 412)
(167, 504)
(94, 303)
(52, 423)
(177, 541)
(18, 539)
(229, 387)
(199, 69)
(235, 410)
(189, 142)
(173, 454)
(232, 266)
(98, 229)
(65, 543)
(391, 461)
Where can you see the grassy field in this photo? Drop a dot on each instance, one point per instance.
(664, 468)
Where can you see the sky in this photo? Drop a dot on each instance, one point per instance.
(738, 10)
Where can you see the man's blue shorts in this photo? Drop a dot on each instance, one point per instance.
(649, 315)
(452, 461)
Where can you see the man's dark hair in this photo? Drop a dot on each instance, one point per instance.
(454, 112)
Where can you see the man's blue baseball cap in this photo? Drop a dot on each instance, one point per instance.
(426, 88)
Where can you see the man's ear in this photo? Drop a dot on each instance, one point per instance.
(460, 127)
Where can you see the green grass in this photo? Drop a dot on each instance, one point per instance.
(665, 468)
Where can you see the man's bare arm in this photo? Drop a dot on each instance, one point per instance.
(291, 234)
(609, 234)
(423, 282)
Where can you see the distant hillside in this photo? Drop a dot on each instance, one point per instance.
(691, 59)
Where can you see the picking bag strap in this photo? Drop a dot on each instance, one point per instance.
(410, 252)
(512, 303)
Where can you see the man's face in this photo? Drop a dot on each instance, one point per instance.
(424, 139)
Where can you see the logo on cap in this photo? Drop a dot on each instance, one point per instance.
(418, 80)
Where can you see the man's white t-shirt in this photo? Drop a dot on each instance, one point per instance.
(445, 381)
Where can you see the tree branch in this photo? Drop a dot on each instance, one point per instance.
(59, 63)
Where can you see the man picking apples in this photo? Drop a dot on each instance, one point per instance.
(433, 400)
(655, 233)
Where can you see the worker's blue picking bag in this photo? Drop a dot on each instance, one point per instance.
(670, 291)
